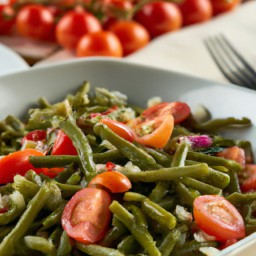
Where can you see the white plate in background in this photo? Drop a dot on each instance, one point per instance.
(20, 90)
(10, 61)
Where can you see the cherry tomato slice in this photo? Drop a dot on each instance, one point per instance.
(35, 135)
(52, 172)
(119, 128)
(218, 217)
(18, 163)
(63, 145)
(221, 6)
(116, 182)
(233, 153)
(86, 216)
(249, 184)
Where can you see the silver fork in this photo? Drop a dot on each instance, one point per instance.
(230, 62)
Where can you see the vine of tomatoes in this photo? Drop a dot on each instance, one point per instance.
(105, 27)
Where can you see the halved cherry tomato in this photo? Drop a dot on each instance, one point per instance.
(52, 172)
(35, 21)
(35, 135)
(227, 244)
(115, 181)
(218, 217)
(195, 11)
(131, 34)
(159, 17)
(7, 19)
(233, 153)
(119, 128)
(63, 145)
(249, 184)
(221, 6)
(102, 43)
(73, 25)
(86, 216)
(18, 163)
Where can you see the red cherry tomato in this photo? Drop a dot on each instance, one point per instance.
(218, 217)
(73, 25)
(227, 243)
(103, 43)
(18, 163)
(119, 128)
(7, 19)
(63, 145)
(233, 153)
(221, 6)
(52, 172)
(35, 135)
(86, 216)
(159, 18)
(116, 182)
(249, 184)
(117, 8)
(131, 34)
(35, 21)
(195, 11)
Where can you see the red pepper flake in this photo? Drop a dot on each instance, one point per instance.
(110, 166)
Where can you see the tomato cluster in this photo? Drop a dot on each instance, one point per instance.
(105, 27)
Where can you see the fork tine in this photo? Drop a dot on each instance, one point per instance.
(221, 62)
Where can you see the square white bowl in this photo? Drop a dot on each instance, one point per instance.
(18, 91)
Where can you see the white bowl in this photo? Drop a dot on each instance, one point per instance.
(18, 91)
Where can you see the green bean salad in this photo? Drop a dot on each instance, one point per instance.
(95, 175)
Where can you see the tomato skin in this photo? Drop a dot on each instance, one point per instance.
(35, 21)
(35, 135)
(86, 216)
(63, 145)
(18, 163)
(119, 128)
(73, 25)
(195, 11)
(233, 153)
(115, 181)
(6, 24)
(218, 217)
(249, 184)
(159, 18)
(131, 34)
(221, 6)
(103, 43)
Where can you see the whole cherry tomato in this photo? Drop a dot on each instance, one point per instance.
(35, 21)
(131, 34)
(195, 11)
(7, 19)
(221, 6)
(159, 17)
(102, 43)
(73, 25)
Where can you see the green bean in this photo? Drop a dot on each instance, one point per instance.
(34, 177)
(6, 189)
(108, 156)
(74, 179)
(234, 183)
(132, 196)
(4, 231)
(80, 142)
(68, 190)
(54, 218)
(140, 218)
(40, 244)
(202, 187)
(56, 235)
(186, 195)
(64, 247)
(141, 234)
(127, 149)
(241, 199)
(169, 241)
(167, 203)
(249, 229)
(25, 221)
(97, 250)
(160, 190)
(214, 161)
(180, 155)
(128, 245)
(114, 234)
(221, 169)
(168, 174)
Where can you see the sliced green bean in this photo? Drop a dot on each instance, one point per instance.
(186, 195)
(180, 155)
(81, 144)
(167, 202)
(56, 235)
(68, 190)
(133, 196)
(214, 160)
(141, 234)
(128, 245)
(168, 174)
(33, 208)
(65, 246)
(234, 183)
(140, 217)
(98, 250)
(160, 190)
(108, 156)
(240, 199)
(40, 244)
(202, 187)
(138, 156)
(74, 179)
